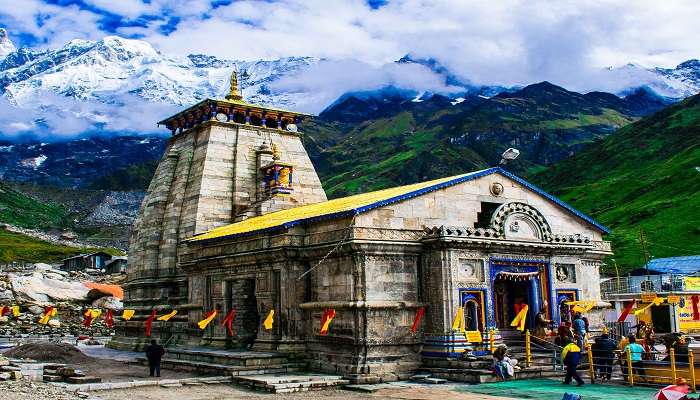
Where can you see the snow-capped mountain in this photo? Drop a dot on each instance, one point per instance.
(124, 85)
(107, 69)
(6, 45)
(675, 83)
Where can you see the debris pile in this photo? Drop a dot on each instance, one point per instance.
(70, 293)
(58, 356)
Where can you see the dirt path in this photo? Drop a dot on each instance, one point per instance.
(226, 392)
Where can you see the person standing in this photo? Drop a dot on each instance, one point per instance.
(579, 329)
(636, 352)
(570, 357)
(604, 355)
(154, 352)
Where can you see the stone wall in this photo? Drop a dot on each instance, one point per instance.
(459, 205)
(208, 175)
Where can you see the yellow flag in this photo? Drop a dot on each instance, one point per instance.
(127, 314)
(167, 316)
(47, 316)
(458, 323)
(519, 319)
(15, 311)
(95, 313)
(269, 320)
(203, 323)
(656, 302)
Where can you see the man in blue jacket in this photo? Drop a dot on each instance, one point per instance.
(570, 356)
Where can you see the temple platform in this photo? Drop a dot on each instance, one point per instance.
(287, 383)
(236, 363)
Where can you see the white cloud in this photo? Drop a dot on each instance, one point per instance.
(59, 117)
(328, 80)
(507, 42)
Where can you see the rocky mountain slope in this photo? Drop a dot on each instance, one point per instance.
(106, 69)
(362, 144)
(81, 162)
(645, 176)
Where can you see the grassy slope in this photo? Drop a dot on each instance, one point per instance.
(18, 247)
(545, 122)
(21, 210)
(643, 176)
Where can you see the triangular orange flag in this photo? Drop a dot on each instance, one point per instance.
(269, 320)
(167, 316)
(207, 319)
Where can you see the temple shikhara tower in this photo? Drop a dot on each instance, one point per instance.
(236, 219)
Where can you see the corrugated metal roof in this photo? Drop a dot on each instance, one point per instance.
(360, 203)
(675, 265)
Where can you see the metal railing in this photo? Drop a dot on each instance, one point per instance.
(643, 283)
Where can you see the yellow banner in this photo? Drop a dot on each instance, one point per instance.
(648, 297)
(474, 336)
(458, 322)
(673, 299)
(691, 283)
(519, 320)
(127, 314)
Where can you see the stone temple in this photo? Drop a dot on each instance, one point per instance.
(236, 218)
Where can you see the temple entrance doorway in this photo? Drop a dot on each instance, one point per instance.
(241, 297)
(510, 297)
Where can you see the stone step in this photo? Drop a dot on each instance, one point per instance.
(225, 357)
(208, 367)
(289, 383)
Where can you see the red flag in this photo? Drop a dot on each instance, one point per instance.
(626, 311)
(87, 318)
(696, 313)
(5, 311)
(326, 318)
(109, 318)
(228, 321)
(149, 322)
(419, 314)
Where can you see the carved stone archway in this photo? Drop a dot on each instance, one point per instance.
(520, 220)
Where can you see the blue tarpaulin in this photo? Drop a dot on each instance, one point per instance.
(675, 265)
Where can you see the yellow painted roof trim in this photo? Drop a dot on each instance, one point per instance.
(359, 203)
(344, 206)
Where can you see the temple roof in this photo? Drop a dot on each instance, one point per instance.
(233, 101)
(360, 203)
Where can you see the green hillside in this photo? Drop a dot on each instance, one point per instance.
(643, 176)
(19, 209)
(411, 141)
(18, 247)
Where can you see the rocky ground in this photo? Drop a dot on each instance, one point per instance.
(225, 392)
(42, 285)
(23, 390)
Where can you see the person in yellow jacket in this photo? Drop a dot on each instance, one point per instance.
(570, 356)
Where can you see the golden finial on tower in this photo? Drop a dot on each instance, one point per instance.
(233, 91)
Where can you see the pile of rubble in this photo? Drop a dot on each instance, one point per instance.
(62, 373)
(9, 371)
(70, 293)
